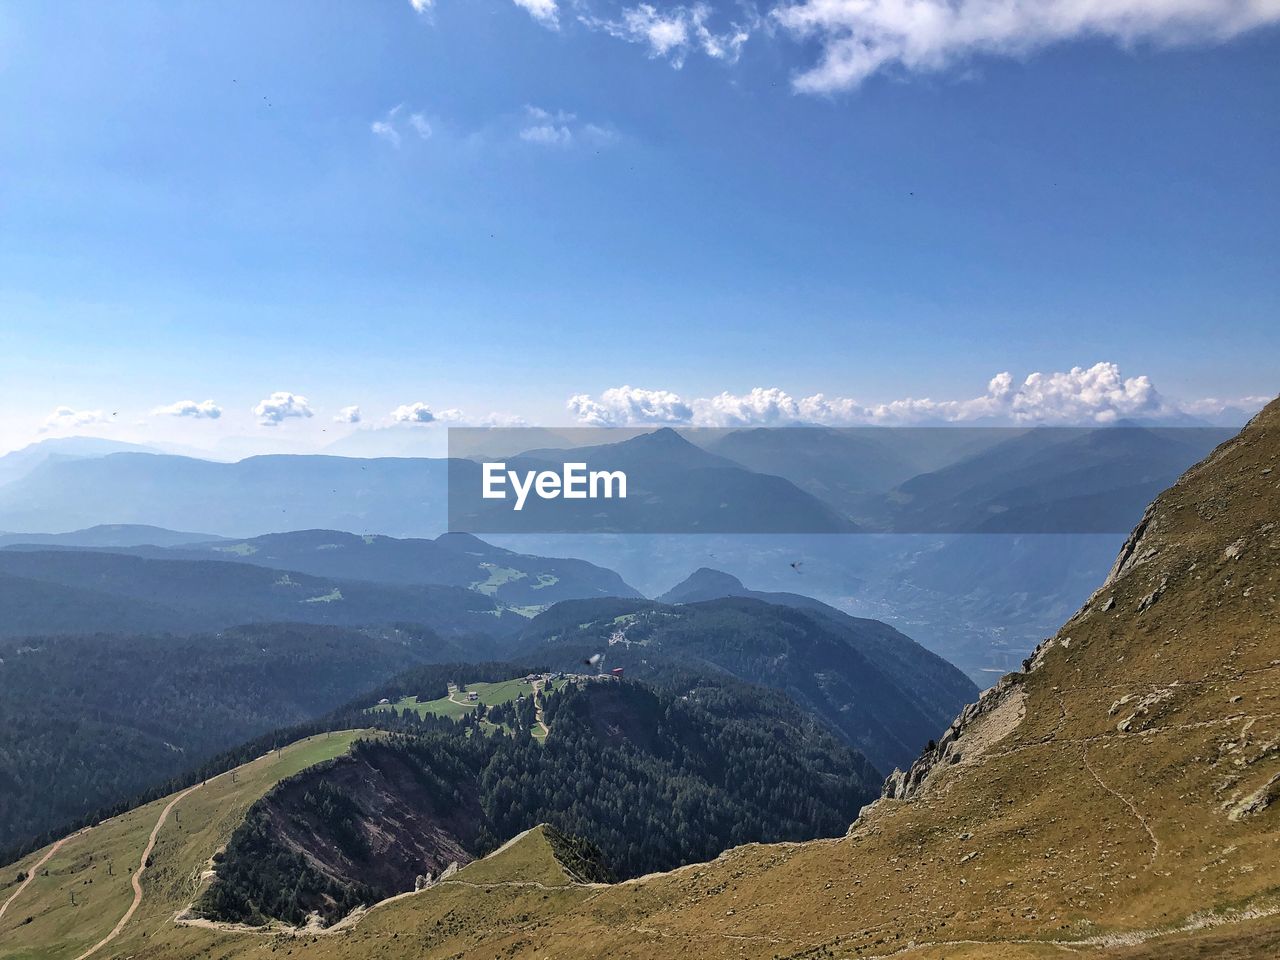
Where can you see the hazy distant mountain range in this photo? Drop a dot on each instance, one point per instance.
(452, 559)
(259, 495)
(110, 535)
(980, 600)
(752, 481)
(673, 486)
(19, 463)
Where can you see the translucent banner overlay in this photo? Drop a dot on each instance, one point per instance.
(814, 479)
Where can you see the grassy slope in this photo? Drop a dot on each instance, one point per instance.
(528, 858)
(490, 694)
(200, 824)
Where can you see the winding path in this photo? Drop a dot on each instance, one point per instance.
(31, 873)
(1133, 808)
(137, 875)
(537, 708)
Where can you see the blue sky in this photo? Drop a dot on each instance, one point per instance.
(476, 209)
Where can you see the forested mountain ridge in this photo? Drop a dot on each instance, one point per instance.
(452, 559)
(938, 686)
(836, 668)
(649, 779)
(187, 595)
(90, 721)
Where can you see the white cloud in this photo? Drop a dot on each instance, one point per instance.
(413, 413)
(386, 127)
(281, 406)
(349, 414)
(619, 406)
(1099, 394)
(762, 405)
(675, 32)
(1214, 406)
(546, 127)
(421, 413)
(547, 134)
(560, 129)
(599, 135)
(855, 39)
(858, 38)
(420, 126)
(67, 418)
(189, 408)
(393, 126)
(500, 420)
(544, 11)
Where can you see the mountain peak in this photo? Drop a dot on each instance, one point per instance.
(662, 437)
(704, 584)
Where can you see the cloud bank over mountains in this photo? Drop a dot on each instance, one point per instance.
(1082, 396)
(1099, 394)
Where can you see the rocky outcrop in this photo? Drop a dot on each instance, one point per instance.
(987, 721)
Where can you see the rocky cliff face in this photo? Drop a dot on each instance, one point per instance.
(356, 830)
(986, 721)
(1156, 536)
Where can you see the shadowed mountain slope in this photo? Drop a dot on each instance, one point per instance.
(90, 721)
(937, 686)
(881, 692)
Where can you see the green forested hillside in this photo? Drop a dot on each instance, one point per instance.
(90, 721)
(650, 779)
(939, 687)
(837, 668)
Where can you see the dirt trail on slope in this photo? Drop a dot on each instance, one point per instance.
(137, 874)
(537, 708)
(31, 873)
